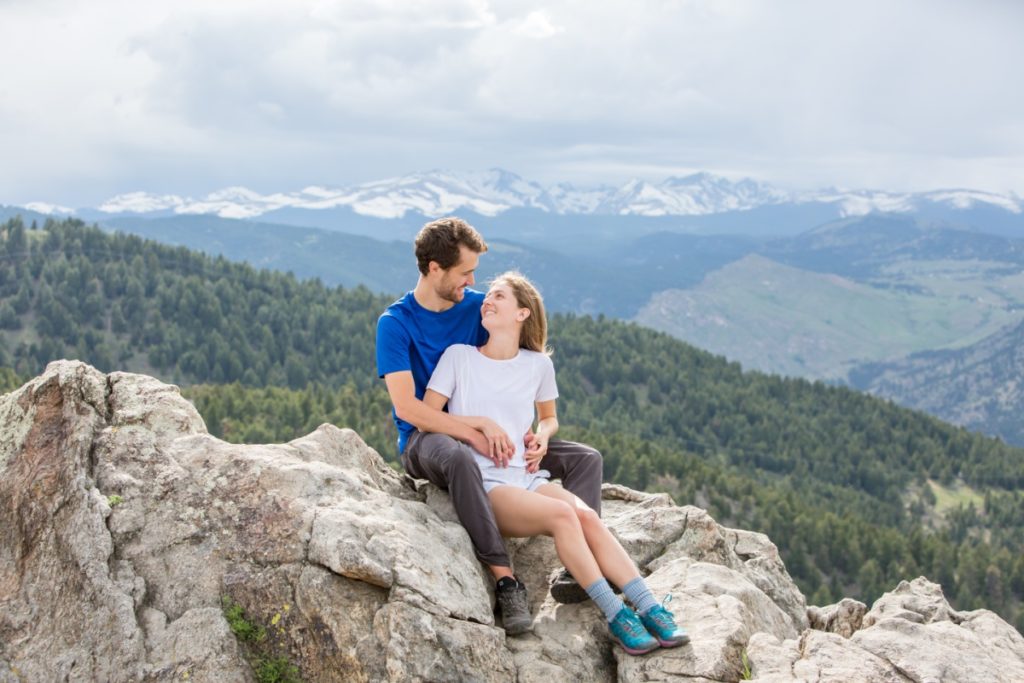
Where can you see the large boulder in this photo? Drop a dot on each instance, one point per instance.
(910, 634)
(125, 530)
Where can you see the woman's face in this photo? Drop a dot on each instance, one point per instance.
(500, 308)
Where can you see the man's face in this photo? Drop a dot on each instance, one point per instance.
(453, 282)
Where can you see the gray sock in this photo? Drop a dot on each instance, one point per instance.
(637, 592)
(601, 593)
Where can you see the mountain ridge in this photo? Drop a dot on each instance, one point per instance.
(978, 386)
(496, 191)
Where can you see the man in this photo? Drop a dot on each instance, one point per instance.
(411, 336)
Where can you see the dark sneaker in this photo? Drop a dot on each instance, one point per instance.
(566, 590)
(661, 624)
(514, 607)
(630, 633)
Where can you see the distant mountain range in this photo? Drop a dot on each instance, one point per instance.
(496, 192)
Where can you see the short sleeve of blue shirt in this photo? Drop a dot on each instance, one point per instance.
(393, 343)
(412, 338)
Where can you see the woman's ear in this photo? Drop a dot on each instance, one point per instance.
(523, 314)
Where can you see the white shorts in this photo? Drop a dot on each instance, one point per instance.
(513, 476)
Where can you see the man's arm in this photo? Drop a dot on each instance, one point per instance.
(402, 390)
(499, 446)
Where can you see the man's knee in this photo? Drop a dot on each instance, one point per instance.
(587, 464)
(585, 476)
(592, 457)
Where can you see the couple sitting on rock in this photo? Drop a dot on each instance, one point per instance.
(485, 357)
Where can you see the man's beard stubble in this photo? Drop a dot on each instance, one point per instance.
(453, 294)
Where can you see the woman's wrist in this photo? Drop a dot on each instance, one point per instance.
(547, 429)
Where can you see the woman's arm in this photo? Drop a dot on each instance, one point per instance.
(547, 426)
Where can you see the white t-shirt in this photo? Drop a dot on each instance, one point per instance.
(503, 390)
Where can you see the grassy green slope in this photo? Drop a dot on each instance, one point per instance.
(777, 318)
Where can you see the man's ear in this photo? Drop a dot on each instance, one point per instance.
(434, 267)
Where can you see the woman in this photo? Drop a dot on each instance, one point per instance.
(494, 388)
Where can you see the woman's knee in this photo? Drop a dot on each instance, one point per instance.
(562, 517)
(588, 518)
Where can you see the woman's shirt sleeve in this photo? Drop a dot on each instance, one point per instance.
(443, 379)
(547, 388)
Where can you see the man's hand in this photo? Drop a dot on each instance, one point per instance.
(536, 449)
(499, 447)
(478, 442)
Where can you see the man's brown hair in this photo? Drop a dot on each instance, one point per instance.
(440, 241)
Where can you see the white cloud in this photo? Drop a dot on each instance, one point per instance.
(537, 25)
(181, 97)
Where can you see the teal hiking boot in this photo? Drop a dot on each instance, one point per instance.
(661, 624)
(630, 633)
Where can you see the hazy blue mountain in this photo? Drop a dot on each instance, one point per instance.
(305, 252)
(980, 387)
(27, 215)
(616, 282)
(866, 247)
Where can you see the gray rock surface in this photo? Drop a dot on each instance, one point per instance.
(910, 634)
(124, 525)
(845, 617)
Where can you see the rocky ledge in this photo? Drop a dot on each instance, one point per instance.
(125, 529)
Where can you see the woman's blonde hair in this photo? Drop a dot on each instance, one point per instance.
(534, 334)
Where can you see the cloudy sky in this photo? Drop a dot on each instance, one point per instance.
(189, 96)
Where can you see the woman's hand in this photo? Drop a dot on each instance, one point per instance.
(536, 449)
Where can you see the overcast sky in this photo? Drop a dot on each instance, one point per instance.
(189, 96)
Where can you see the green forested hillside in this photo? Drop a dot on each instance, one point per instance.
(842, 482)
(125, 303)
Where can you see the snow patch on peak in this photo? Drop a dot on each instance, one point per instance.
(140, 202)
(863, 203)
(48, 209)
(965, 199)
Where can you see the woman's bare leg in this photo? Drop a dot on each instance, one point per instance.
(525, 513)
(614, 562)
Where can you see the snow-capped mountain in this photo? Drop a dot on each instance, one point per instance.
(694, 195)
(496, 191)
(49, 209)
(862, 202)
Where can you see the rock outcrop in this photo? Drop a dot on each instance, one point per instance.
(124, 527)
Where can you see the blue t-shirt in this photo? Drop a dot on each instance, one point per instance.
(410, 337)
